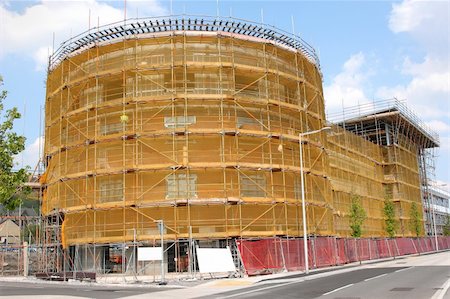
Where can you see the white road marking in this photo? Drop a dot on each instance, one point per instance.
(440, 293)
(338, 289)
(403, 269)
(378, 276)
(262, 289)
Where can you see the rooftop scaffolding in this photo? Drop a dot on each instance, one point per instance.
(132, 28)
(392, 111)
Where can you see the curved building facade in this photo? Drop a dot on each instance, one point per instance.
(195, 122)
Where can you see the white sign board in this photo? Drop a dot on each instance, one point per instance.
(149, 253)
(215, 260)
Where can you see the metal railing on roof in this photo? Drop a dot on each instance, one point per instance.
(374, 107)
(136, 26)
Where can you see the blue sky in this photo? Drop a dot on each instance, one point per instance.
(369, 50)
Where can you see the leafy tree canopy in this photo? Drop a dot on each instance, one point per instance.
(11, 144)
(446, 229)
(415, 219)
(357, 216)
(389, 214)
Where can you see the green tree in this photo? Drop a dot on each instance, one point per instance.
(415, 219)
(11, 144)
(446, 229)
(389, 217)
(357, 216)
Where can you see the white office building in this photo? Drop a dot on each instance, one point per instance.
(440, 207)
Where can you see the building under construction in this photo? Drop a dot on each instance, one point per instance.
(197, 121)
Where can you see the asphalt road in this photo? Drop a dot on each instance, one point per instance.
(392, 282)
(413, 277)
(16, 289)
(413, 280)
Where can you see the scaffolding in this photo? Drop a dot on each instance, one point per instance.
(356, 169)
(407, 147)
(198, 126)
(196, 121)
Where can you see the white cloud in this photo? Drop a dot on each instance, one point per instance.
(427, 86)
(41, 57)
(430, 64)
(444, 148)
(347, 87)
(428, 89)
(428, 93)
(406, 16)
(31, 32)
(30, 156)
(442, 161)
(438, 126)
(425, 21)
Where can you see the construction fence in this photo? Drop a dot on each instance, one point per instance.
(265, 256)
(19, 259)
(251, 256)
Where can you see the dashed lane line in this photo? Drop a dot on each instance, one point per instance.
(338, 289)
(442, 290)
(404, 269)
(375, 277)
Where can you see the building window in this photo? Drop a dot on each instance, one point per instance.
(247, 122)
(110, 156)
(253, 186)
(152, 84)
(181, 186)
(155, 59)
(207, 83)
(110, 190)
(113, 128)
(92, 95)
(179, 121)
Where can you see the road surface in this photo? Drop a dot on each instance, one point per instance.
(43, 290)
(414, 277)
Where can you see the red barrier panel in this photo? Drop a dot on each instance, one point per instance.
(405, 246)
(276, 254)
(374, 253)
(446, 241)
(442, 242)
(324, 252)
(352, 253)
(430, 245)
(260, 256)
(418, 245)
(383, 248)
(341, 257)
(427, 244)
(294, 254)
(363, 249)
